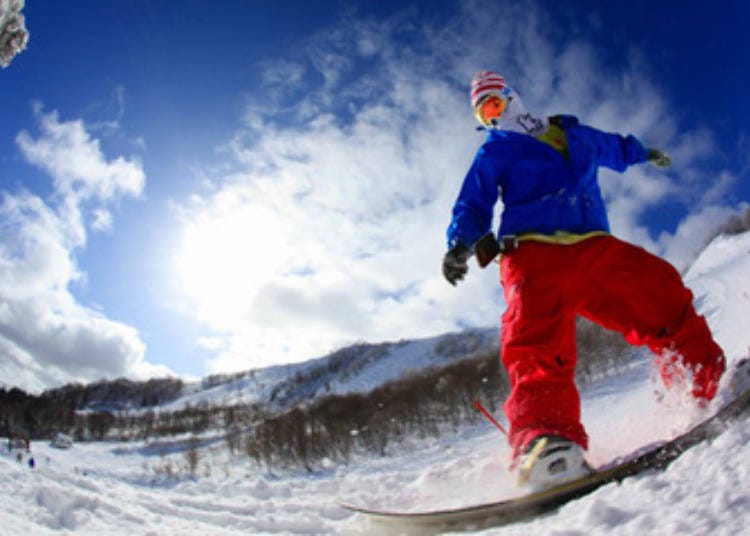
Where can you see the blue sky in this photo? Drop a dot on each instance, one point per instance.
(202, 187)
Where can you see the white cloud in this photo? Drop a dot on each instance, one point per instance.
(34, 254)
(76, 163)
(46, 337)
(331, 229)
(101, 220)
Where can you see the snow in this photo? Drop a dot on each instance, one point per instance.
(721, 282)
(370, 367)
(126, 488)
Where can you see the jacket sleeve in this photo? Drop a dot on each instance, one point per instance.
(474, 207)
(615, 151)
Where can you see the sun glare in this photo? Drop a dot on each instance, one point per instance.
(224, 259)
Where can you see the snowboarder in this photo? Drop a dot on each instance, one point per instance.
(559, 261)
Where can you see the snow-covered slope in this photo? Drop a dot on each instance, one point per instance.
(108, 488)
(720, 279)
(355, 369)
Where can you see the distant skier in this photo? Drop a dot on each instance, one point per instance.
(559, 260)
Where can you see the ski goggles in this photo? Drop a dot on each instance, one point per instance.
(491, 107)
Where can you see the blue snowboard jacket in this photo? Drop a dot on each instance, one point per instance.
(543, 191)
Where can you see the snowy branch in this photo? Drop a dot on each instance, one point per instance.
(13, 33)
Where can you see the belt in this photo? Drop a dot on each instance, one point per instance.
(488, 247)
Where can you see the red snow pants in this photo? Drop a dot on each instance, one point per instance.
(615, 284)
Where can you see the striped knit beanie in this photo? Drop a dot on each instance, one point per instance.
(485, 83)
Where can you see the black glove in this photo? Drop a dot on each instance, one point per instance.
(659, 158)
(455, 263)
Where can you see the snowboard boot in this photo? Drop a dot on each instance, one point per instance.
(551, 460)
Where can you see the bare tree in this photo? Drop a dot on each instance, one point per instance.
(192, 456)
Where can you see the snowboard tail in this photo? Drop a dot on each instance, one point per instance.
(654, 457)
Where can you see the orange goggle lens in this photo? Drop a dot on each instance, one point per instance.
(491, 108)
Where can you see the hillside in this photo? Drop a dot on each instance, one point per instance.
(126, 409)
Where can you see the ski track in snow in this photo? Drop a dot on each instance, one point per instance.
(114, 488)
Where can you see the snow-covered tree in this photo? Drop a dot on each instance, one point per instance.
(13, 33)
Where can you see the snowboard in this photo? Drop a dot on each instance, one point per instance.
(526, 507)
